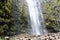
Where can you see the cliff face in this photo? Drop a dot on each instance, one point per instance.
(14, 16)
(19, 17)
(51, 11)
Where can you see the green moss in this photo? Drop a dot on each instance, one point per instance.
(51, 14)
(5, 16)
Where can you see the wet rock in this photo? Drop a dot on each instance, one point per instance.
(49, 36)
(6, 38)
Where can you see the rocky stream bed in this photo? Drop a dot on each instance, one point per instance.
(49, 36)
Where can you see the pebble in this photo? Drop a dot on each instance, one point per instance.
(50, 36)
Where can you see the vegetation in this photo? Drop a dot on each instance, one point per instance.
(22, 16)
(7, 22)
(51, 11)
(52, 14)
(5, 16)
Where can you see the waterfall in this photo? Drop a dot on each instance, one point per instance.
(36, 17)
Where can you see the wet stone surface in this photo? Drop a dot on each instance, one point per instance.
(50, 36)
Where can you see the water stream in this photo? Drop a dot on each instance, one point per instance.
(36, 17)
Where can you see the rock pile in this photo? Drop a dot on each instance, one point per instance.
(50, 36)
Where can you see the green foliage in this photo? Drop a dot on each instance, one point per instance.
(52, 13)
(22, 16)
(5, 16)
(0, 38)
(51, 10)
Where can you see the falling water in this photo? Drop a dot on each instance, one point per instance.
(34, 7)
